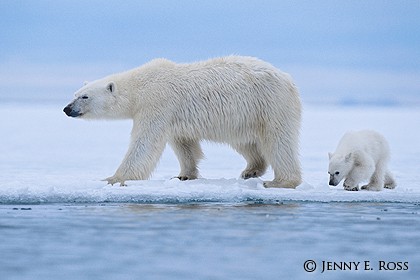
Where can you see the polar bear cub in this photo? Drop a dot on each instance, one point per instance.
(361, 156)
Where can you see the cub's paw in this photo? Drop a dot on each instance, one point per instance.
(185, 178)
(351, 188)
(369, 187)
(390, 186)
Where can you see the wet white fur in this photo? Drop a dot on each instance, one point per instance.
(361, 156)
(241, 101)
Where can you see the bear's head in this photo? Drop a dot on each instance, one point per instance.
(339, 167)
(101, 99)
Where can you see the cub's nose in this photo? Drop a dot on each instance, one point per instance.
(332, 181)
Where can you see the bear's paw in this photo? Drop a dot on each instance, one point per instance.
(114, 180)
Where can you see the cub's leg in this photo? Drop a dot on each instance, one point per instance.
(376, 182)
(389, 182)
(350, 184)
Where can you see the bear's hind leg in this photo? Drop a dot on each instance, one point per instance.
(189, 153)
(389, 182)
(256, 164)
(283, 156)
(376, 182)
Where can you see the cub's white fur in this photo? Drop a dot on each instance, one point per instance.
(241, 101)
(361, 156)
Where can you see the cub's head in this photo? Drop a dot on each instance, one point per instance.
(339, 167)
(100, 99)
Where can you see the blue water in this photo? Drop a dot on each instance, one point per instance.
(208, 240)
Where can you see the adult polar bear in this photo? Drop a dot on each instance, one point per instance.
(241, 101)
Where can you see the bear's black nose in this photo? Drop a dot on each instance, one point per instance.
(71, 112)
(67, 110)
(332, 183)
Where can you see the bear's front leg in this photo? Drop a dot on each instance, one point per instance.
(146, 146)
(114, 180)
(189, 153)
(350, 185)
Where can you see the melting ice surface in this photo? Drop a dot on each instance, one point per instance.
(59, 220)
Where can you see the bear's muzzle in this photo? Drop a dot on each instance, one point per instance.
(71, 112)
(332, 181)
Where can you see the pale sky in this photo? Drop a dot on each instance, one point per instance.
(336, 50)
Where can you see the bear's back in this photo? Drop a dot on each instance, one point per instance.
(369, 142)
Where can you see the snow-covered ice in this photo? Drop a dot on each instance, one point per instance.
(59, 220)
(49, 158)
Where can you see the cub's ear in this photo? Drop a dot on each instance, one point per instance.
(330, 155)
(110, 87)
(85, 83)
(348, 157)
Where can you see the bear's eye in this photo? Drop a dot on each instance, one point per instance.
(85, 97)
(336, 173)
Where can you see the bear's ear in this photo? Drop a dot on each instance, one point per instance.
(348, 157)
(330, 155)
(110, 87)
(85, 83)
